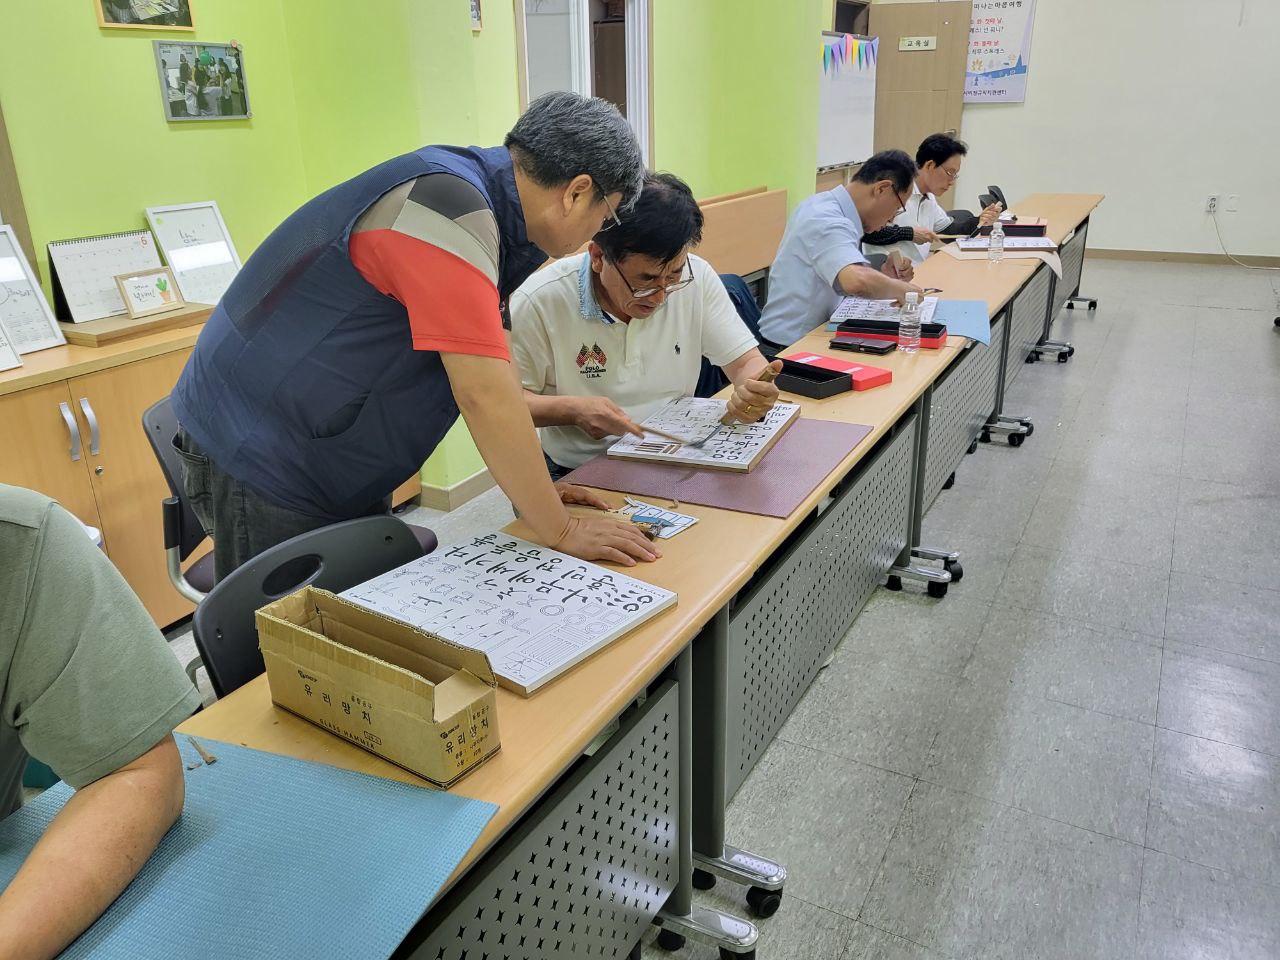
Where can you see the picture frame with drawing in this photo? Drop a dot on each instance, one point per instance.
(145, 15)
(149, 292)
(477, 19)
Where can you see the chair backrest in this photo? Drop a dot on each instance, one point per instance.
(161, 425)
(332, 558)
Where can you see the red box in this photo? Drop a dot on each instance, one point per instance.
(864, 376)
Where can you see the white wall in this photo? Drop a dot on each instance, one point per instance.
(1157, 104)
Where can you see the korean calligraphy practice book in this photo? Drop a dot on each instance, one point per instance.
(738, 447)
(534, 611)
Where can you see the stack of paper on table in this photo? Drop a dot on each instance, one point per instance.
(534, 611)
(738, 447)
(1010, 243)
(859, 308)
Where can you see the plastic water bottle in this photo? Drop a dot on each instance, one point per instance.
(909, 325)
(995, 252)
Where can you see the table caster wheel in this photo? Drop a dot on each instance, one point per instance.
(1064, 357)
(1070, 305)
(893, 583)
(949, 482)
(973, 446)
(955, 569)
(727, 954)
(1278, 321)
(635, 953)
(937, 590)
(669, 940)
(1093, 304)
(1029, 426)
(1015, 439)
(1032, 357)
(985, 436)
(702, 880)
(763, 903)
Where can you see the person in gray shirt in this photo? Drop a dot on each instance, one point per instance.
(88, 686)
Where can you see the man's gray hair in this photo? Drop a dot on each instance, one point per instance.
(565, 134)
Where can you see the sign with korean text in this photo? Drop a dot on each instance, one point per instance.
(916, 44)
(999, 51)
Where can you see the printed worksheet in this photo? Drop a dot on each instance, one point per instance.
(738, 447)
(535, 612)
(858, 308)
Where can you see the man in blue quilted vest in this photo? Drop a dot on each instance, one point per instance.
(376, 313)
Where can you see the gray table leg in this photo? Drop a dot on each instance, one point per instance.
(712, 855)
(680, 920)
(937, 580)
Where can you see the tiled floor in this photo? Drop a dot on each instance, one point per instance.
(1076, 755)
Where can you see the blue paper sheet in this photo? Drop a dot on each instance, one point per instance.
(965, 318)
(274, 857)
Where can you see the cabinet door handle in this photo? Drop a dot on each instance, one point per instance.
(73, 428)
(94, 435)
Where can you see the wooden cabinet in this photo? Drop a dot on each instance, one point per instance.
(127, 483)
(71, 427)
(41, 447)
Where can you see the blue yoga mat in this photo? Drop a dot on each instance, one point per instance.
(965, 318)
(274, 857)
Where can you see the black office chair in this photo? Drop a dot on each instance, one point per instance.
(711, 379)
(333, 558)
(993, 195)
(962, 221)
(182, 529)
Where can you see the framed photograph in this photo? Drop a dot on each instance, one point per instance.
(202, 81)
(149, 292)
(476, 20)
(145, 14)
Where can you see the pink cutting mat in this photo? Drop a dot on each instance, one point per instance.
(798, 462)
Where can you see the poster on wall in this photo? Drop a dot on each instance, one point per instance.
(999, 51)
(202, 81)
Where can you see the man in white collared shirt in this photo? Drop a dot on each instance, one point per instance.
(605, 338)
(923, 219)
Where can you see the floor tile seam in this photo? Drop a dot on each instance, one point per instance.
(1031, 813)
(884, 854)
(899, 936)
(1080, 620)
(1229, 653)
(1225, 743)
(1233, 874)
(841, 756)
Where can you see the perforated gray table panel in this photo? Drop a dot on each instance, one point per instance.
(959, 406)
(587, 870)
(792, 620)
(1072, 254)
(1027, 319)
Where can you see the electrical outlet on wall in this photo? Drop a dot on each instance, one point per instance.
(1233, 202)
(1211, 205)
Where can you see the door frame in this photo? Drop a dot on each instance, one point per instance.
(639, 63)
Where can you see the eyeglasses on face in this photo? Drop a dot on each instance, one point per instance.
(613, 220)
(669, 289)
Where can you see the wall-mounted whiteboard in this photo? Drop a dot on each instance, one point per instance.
(847, 99)
(198, 247)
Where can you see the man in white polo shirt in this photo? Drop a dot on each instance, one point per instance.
(605, 338)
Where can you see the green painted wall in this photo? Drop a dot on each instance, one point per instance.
(736, 94)
(92, 148)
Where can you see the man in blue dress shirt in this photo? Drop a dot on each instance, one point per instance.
(820, 259)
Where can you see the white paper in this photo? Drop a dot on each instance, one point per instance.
(856, 308)
(534, 611)
(1010, 243)
(8, 355)
(198, 248)
(1047, 257)
(676, 522)
(735, 447)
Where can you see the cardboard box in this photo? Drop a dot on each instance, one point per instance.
(421, 702)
